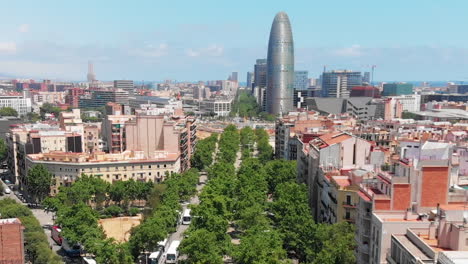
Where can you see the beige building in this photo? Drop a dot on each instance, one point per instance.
(148, 134)
(67, 167)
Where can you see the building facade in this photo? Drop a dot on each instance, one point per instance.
(338, 84)
(20, 104)
(67, 167)
(396, 89)
(280, 66)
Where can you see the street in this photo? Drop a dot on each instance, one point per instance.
(179, 234)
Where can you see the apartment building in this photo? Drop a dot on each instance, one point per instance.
(66, 167)
(113, 132)
(37, 138)
(303, 125)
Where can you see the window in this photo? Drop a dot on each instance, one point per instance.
(348, 199)
(149, 166)
(348, 215)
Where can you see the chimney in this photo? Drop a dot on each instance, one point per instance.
(407, 213)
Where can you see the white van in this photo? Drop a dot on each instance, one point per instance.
(186, 218)
(155, 257)
(173, 252)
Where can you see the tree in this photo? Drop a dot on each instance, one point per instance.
(280, 171)
(38, 182)
(33, 117)
(117, 192)
(8, 111)
(260, 246)
(47, 108)
(201, 246)
(3, 150)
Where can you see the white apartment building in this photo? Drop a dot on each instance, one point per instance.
(20, 104)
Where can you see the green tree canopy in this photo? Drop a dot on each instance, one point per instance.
(8, 111)
(202, 247)
(38, 182)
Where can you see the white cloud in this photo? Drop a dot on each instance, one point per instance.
(353, 51)
(7, 47)
(152, 51)
(214, 50)
(23, 28)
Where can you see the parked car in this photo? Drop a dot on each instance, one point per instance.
(7, 190)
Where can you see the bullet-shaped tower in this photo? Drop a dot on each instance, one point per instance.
(280, 66)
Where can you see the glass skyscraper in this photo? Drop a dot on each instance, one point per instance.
(280, 66)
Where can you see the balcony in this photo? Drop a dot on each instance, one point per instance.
(349, 205)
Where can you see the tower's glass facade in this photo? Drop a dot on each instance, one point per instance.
(280, 66)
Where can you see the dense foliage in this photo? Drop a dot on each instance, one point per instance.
(48, 108)
(8, 111)
(38, 180)
(203, 156)
(260, 214)
(166, 208)
(37, 246)
(246, 105)
(265, 151)
(229, 144)
(80, 206)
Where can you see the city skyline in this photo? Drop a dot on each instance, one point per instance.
(203, 41)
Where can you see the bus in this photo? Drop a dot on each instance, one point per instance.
(186, 218)
(173, 252)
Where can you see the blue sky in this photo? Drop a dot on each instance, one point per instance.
(204, 39)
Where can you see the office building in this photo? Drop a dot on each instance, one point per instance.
(99, 98)
(458, 88)
(234, 77)
(366, 78)
(301, 80)
(280, 66)
(260, 80)
(396, 89)
(20, 104)
(126, 85)
(250, 80)
(338, 84)
(216, 106)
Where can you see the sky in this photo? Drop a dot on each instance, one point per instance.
(423, 40)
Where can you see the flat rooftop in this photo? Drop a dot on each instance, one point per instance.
(413, 249)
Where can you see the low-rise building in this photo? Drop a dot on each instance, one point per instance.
(66, 167)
